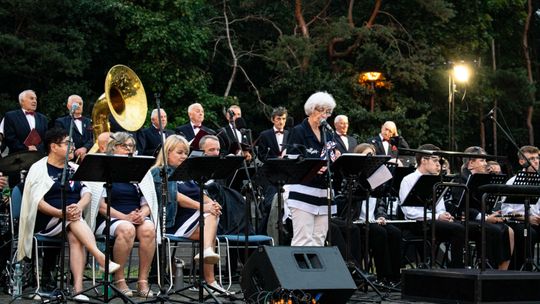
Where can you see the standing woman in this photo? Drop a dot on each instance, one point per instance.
(132, 205)
(308, 201)
(41, 209)
(183, 206)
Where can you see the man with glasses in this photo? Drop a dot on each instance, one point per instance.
(148, 139)
(529, 160)
(446, 229)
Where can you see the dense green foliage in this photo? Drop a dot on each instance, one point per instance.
(180, 48)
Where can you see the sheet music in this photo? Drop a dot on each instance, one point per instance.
(379, 177)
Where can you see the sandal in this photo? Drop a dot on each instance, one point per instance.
(126, 291)
(146, 292)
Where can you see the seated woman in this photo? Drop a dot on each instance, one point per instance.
(132, 205)
(41, 209)
(183, 206)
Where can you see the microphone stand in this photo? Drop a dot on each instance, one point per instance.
(162, 296)
(62, 297)
(250, 186)
(329, 194)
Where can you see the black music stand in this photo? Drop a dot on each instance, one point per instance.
(421, 195)
(282, 171)
(109, 169)
(201, 169)
(526, 179)
(356, 169)
(474, 182)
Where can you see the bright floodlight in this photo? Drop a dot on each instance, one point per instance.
(461, 73)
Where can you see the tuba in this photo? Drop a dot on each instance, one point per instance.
(124, 99)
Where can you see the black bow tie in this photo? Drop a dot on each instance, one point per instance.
(196, 127)
(29, 113)
(78, 118)
(278, 132)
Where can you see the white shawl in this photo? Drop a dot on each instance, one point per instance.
(37, 184)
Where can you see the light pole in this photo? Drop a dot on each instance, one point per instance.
(370, 78)
(460, 73)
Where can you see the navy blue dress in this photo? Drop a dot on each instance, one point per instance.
(186, 219)
(53, 196)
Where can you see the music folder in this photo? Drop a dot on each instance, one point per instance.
(33, 138)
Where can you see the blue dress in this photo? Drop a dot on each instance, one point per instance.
(53, 197)
(186, 219)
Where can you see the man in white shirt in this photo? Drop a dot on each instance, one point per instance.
(445, 227)
(529, 160)
(344, 143)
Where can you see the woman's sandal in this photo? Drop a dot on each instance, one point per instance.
(146, 293)
(126, 291)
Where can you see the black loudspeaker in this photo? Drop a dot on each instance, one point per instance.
(319, 271)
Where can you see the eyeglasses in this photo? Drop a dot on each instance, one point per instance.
(534, 158)
(65, 142)
(127, 146)
(323, 110)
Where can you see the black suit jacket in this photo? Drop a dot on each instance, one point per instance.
(187, 131)
(86, 139)
(392, 148)
(268, 146)
(340, 145)
(16, 129)
(227, 139)
(148, 140)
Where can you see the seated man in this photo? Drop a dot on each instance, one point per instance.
(445, 227)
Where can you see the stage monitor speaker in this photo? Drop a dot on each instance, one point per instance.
(319, 271)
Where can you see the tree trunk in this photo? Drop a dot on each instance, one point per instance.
(530, 108)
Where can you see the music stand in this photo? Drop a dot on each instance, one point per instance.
(201, 169)
(109, 169)
(282, 171)
(524, 178)
(422, 195)
(355, 169)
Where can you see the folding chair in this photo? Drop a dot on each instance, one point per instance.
(175, 242)
(237, 241)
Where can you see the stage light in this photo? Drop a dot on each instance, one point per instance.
(461, 73)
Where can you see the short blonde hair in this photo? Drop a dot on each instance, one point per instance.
(170, 143)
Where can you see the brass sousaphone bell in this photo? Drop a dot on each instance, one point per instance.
(124, 99)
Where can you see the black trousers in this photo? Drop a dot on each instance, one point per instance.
(452, 232)
(497, 241)
(519, 243)
(385, 245)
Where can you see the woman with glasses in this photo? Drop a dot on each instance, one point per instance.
(41, 208)
(183, 206)
(308, 201)
(499, 236)
(133, 214)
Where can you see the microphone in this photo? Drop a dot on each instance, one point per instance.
(289, 124)
(74, 107)
(325, 125)
(231, 114)
(240, 124)
(489, 115)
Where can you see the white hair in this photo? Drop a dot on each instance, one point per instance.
(154, 112)
(23, 93)
(340, 118)
(193, 105)
(319, 99)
